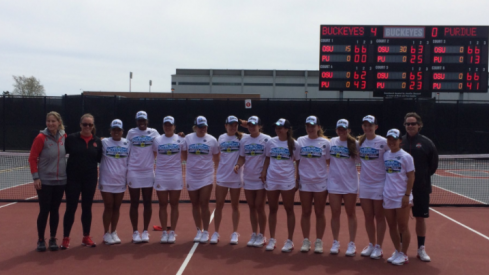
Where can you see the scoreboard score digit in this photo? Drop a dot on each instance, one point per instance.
(404, 59)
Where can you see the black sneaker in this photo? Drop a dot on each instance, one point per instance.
(53, 246)
(41, 246)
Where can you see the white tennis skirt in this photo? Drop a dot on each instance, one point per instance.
(112, 188)
(313, 187)
(234, 185)
(279, 186)
(253, 185)
(168, 185)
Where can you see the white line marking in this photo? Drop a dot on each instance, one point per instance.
(461, 224)
(453, 192)
(18, 185)
(191, 253)
(12, 203)
(31, 198)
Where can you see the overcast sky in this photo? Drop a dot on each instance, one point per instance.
(75, 46)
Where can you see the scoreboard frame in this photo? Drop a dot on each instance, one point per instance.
(409, 61)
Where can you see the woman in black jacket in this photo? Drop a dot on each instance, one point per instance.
(85, 150)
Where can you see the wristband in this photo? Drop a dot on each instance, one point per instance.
(407, 195)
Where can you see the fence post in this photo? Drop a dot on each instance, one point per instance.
(45, 105)
(82, 104)
(4, 121)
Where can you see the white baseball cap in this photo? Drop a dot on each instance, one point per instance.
(370, 119)
(394, 133)
(116, 123)
(282, 122)
(342, 123)
(313, 120)
(200, 121)
(231, 119)
(141, 115)
(169, 119)
(254, 120)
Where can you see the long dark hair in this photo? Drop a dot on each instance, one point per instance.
(352, 145)
(290, 141)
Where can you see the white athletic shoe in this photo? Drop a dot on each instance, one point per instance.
(422, 254)
(367, 251)
(198, 236)
(115, 237)
(393, 257)
(205, 237)
(145, 236)
(252, 240)
(306, 245)
(318, 246)
(136, 237)
(164, 237)
(288, 246)
(271, 244)
(400, 259)
(172, 237)
(260, 240)
(351, 250)
(108, 238)
(377, 253)
(234, 238)
(214, 238)
(335, 249)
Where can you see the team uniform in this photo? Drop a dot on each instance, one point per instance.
(281, 172)
(372, 175)
(343, 174)
(253, 150)
(200, 167)
(140, 172)
(397, 165)
(313, 167)
(168, 172)
(225, 176)
(113, 167)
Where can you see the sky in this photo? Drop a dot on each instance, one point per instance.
(74, 46)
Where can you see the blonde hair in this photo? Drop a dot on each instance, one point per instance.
(88, 115)
(58, 118)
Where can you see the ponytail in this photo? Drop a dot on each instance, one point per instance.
(321, 133)
(352, 146)
(361, 139)
(290, 142)
(239, 135)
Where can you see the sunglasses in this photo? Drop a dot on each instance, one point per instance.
(87, 125)
(410, 123)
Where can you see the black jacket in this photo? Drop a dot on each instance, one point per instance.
(425, 157)
(82, 163)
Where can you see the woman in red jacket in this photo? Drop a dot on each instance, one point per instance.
(48, 167)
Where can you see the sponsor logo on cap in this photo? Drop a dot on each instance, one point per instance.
(201, 121)
(280, 122)
(253, 120)
(393, 133)
(231, 119)
(311, 120)
(169, 119)
(342, 123)
(116, 123)
(370, 119)
(141, 115)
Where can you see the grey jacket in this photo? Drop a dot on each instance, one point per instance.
(48, 158)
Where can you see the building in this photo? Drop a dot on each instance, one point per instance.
(272, 84)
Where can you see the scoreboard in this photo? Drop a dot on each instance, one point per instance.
(404, 60)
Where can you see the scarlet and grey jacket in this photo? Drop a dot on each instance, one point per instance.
(425, 157)
(82, 163)
(48, 157)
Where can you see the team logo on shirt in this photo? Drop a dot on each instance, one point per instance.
(95, 144)
(368, 153)
(168, 149)
(158, 186)
(199, 149)
(280, 153)
(311, 152)
(229, 146)
(266, 139)
(254, 149)
(149, 132)
(340, 152)
(418, 145)
(205, 140)
(117, 152)
(381, 146)
(392, 166)
(142, 141)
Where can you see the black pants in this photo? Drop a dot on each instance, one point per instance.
(50, 197)
(74, 188)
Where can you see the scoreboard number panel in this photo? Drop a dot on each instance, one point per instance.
(415, 60)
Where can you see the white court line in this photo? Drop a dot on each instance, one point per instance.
(31, 198)
(453, 192)
(461, 224)
(15, 186)
(191, 253)
(9, 204)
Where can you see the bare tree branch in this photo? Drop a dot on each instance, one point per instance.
(27, 86)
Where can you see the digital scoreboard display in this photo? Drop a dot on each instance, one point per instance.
(413, 60)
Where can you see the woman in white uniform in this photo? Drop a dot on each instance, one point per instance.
(372, 178)
(314, 156)
(140, 173)
(226, 179)
(252, 153)
(112, 178)
(343, 184)
(202, 157)
(279, 177)
(399, 167)
(170, 151)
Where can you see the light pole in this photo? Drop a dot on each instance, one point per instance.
(150, 83)
(306, 94)
(130, 77)
(172, 90)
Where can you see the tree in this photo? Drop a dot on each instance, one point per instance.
(6, 93)
(27, 86)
